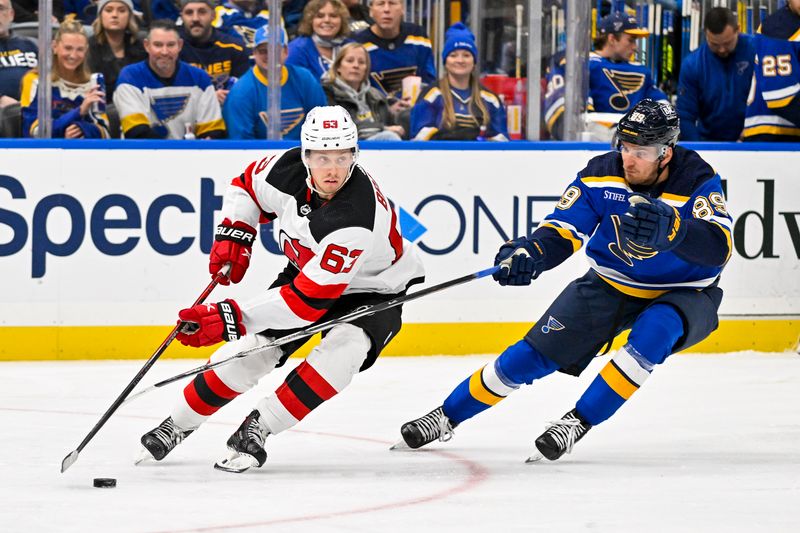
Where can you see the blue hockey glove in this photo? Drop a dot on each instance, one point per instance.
(521, 260)
(652, 223)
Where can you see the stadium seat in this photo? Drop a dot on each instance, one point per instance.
(11, 121)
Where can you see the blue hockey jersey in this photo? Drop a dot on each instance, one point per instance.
(426, 116)
(613, 87)
(234, 20)
(776, 80)
(303, 53)
(408, 54)
(224, 57)
(590, 209)
(245, 109)
(712, 92)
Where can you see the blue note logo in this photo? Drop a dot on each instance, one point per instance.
(552, 324)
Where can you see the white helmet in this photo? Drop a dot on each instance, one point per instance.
(328, 128)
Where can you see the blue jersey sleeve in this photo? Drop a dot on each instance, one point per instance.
(708, 238)
(240, 111)
(426, 115)
(574, 219)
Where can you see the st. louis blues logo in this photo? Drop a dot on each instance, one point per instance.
(552, 324)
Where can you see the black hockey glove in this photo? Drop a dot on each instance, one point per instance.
(521, 261)
(652, 223)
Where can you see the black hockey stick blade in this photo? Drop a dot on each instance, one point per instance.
(71, 457)
(311, 330)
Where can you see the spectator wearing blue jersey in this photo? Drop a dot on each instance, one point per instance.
(224, 57)
(164, 10)
(396, 49)
(347, 84)
(17, 56)
(73, 93)
(323, 30)
(242, 18)
(245, 109)
(458, 107)
(165, 98)
(715, 81)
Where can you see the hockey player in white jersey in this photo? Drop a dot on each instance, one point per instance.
(343, 242)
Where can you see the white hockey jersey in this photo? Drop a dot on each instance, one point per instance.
(350, 244)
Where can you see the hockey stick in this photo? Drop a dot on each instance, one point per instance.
(311, 330)
(70, 459)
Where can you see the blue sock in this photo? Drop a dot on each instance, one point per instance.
(519, 363)
(650, 342)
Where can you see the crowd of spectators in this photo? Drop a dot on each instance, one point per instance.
(185, 69)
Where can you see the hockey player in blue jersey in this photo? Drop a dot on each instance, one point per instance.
(773, 107)
(657, 234)
(616, 83)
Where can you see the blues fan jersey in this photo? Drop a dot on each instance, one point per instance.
(351, 243)
(303, 53)
(223, 57)
(426, 116)
(234, 20)
(17, 56)
(408, 54)
(66, 102)
(613, 87)
(776, 80)
(245, 109)
(592, 206)
(142, 98)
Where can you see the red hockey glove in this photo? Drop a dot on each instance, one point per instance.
(208, 324)
(233, 244)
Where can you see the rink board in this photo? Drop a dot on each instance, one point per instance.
(100, 244)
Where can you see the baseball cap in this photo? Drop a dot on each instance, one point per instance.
(619, 22)
(262, 36)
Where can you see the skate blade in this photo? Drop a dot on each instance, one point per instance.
(236, 463)
(400, 446)
(143, 457)
(535, 458)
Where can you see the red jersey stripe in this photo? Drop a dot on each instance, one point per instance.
(218, 387)
(291, 402)
(196, 403)
(395, 239)
(312, 289)
(322, 388)
(299, 307)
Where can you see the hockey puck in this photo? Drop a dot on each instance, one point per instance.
(105, 482)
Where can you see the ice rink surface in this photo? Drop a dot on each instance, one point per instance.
(710, 443)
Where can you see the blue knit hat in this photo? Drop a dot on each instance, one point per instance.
(458, 37)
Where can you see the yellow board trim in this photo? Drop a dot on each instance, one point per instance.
(617, 381)
(479, 391)
(462, 338)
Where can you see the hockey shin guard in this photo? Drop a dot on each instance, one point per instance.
(519, 363)
(652, 338)
(329, 368)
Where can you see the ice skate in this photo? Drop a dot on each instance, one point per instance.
(424, 430)
(246, 446)
(560, 437)
(158, 442)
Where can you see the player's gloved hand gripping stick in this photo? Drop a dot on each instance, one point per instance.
(70, 459)
(520, 260)
(311, 330)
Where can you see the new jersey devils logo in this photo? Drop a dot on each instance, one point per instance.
(298, 254)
